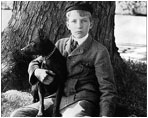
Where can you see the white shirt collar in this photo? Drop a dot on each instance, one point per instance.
(81, 40)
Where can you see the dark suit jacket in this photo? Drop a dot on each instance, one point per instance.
(90, 75)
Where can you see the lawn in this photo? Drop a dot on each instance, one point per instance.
(130, 37)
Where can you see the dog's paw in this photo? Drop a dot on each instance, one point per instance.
(40, 114)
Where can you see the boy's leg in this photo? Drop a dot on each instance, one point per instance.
(80, 109)
(24, 112)
(32, 110)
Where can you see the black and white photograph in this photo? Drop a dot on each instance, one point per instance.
(73, 58)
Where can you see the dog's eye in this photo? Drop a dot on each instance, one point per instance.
(35, 45)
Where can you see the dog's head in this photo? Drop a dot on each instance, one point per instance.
(40, 44)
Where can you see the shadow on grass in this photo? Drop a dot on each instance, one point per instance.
(132, 87)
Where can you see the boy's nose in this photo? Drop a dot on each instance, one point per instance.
(79, 24)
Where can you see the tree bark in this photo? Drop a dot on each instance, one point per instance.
(50, 16)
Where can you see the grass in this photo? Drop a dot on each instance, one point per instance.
(133, 93)
(140, 67)
(138, 92)
(13, 99)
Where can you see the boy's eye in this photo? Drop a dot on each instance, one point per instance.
(84, 20)
(73, 21)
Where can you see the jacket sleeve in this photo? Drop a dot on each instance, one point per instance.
(32, 67)
(107, 86)
(36, 63)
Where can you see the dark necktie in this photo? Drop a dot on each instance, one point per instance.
(74, 45)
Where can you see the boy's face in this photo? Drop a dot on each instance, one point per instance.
(78, 25)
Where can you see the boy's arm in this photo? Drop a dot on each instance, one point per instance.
(37, 73)
(34, 64)
(107, 86)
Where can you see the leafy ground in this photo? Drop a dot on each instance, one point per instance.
(12, 100)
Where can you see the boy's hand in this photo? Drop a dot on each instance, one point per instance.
(44, 76)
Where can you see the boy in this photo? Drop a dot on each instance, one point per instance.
(90, 88)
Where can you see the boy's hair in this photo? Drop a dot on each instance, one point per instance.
(82, 13)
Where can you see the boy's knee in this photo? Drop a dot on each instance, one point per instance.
(24, 112)
(16, 113)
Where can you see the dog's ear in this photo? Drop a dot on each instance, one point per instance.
(41, 33)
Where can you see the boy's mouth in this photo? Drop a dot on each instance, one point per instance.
(79, 32)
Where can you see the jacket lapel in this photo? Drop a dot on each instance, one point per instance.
(67, 45)
(80, 49)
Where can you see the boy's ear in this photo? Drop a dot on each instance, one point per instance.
(91, 24)
(67, 24)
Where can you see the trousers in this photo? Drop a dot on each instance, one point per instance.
(81, 108)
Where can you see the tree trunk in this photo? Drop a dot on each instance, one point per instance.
(28, 15)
